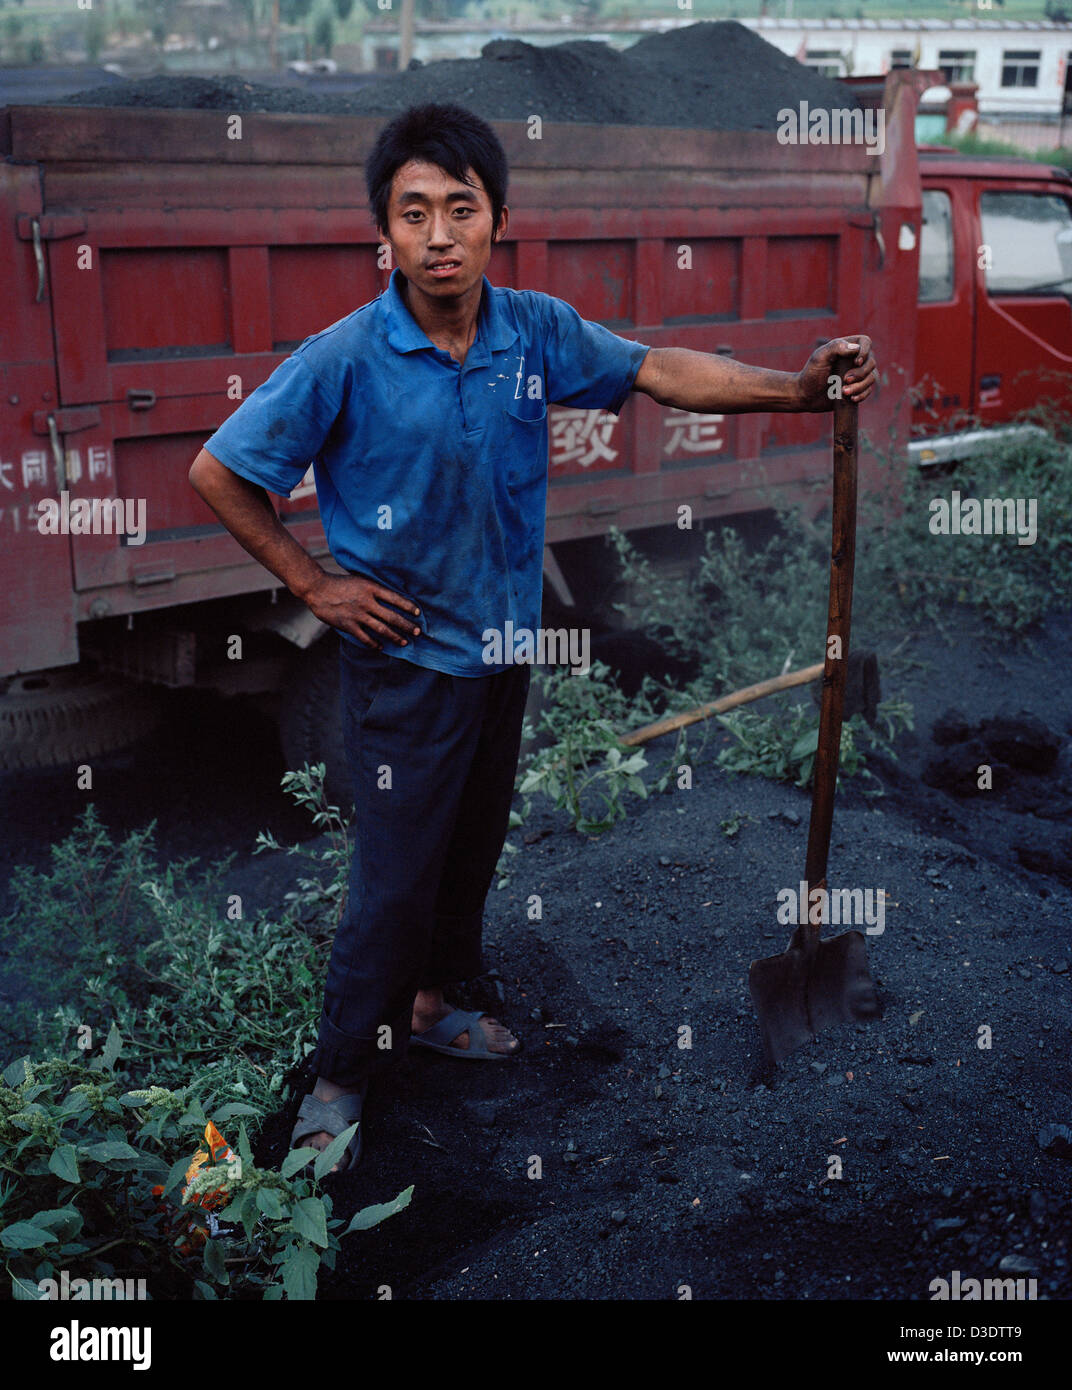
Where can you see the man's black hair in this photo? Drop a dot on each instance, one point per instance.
(437, 133)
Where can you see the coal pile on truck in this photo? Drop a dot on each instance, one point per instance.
(716, 76)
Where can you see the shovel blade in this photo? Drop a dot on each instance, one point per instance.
(800, 993)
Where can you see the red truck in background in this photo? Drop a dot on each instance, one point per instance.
(157, 265)
(994, 317)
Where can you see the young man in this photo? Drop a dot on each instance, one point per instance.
(425, 413)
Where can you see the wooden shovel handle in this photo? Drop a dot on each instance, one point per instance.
(842, 561)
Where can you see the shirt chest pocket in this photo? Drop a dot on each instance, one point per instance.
(525, 439)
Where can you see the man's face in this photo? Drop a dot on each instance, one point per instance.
(433, 219)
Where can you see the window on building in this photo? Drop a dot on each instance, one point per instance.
(1029, 240)
(1019, 67)
(957, 64)
(900, 58)
(936, 248)
(829, 61)
(386, 59)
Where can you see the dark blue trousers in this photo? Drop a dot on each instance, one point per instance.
(432, 760)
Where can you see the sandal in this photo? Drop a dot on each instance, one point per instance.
(332, 1117)
(441, 1035)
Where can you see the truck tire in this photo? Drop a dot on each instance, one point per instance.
(310, 718)
(54, 718)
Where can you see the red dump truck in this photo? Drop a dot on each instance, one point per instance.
(157, 265)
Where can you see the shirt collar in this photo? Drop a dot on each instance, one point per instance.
(405, 334)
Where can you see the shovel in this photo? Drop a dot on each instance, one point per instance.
(815, 984)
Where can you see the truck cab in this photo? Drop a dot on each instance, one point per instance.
(994, 331)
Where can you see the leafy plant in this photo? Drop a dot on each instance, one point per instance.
(782, 745)
(318, 894)
(747, 612)
(107, 935)
(287, 1221)
(911, 572)
(96, 1170)
(197, 1005)
(585, 769)
(83, 919)
(732, 823)
(975, 144)
(744, 612)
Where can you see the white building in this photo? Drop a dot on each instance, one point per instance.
(1022, 67)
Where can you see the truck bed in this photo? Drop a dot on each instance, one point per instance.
(178, 266)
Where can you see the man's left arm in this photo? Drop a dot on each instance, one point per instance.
(711, 384)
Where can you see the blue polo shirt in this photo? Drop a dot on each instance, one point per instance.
(431, 476)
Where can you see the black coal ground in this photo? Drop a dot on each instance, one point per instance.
(663, 1166)
(718, 76)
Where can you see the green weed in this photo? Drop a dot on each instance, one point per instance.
(93, 1178)
(202, 1010)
